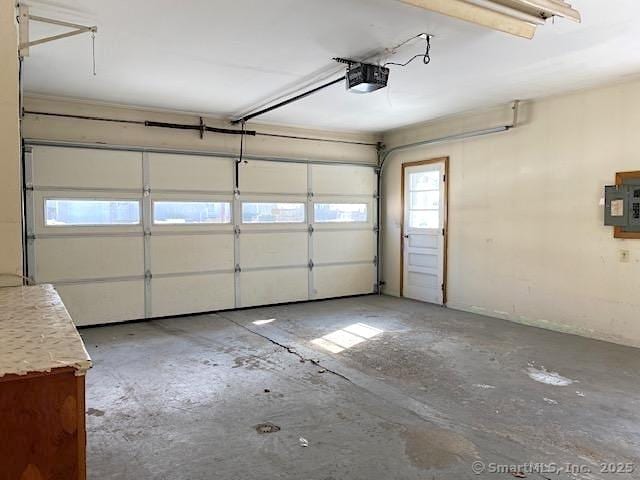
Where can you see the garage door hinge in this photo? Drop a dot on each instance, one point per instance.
(309, 195)
(376, 196)
(311, 230)
(375, 261)
(236, 192)
(375, 228)
(310, 264)
(148, 275)
(236, 230)
(146, 191)
(28, 186)
(147, 233)
(28, 149)
(31, 237)
(237, 269)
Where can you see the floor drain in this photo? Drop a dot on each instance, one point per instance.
(267, 428)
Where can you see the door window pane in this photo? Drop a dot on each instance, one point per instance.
(425, 200)
(271, 212)
(91, 212)
(173, 213)
(424, 219)
(425, 180)
(340, 212)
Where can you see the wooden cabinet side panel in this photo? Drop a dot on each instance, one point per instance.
(42, 427)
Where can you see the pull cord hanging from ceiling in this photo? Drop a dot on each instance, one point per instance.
(240, 157)
(93, 52)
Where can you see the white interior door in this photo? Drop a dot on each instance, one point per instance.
(424, 232)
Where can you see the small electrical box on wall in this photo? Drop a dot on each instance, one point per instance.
(622, 205)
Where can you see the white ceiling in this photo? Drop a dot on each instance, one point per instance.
(223, 57)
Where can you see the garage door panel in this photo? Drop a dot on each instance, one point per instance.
(79, 258)
(191, 253)
(266, 287)
(191, 294)
(273, 177)
(343, 246)
(342, 180)
(87, 168)
(190, 172)
(343, 280)
(262, 250)
(103, 302)
(191, 197)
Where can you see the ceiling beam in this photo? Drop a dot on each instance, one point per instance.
(470, 12)
(554, 7)
(527, 15)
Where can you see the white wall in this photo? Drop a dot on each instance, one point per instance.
(56, 128)
(10, 192)
(526, 238)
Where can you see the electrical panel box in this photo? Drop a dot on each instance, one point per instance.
(622, 205)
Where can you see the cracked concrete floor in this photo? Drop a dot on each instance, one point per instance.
(412, 391)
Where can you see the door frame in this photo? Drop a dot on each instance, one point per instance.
(445, 224)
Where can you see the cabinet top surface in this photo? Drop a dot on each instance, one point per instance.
(37, 333)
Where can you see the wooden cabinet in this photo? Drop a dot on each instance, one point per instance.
(43, 426)
(42, 397)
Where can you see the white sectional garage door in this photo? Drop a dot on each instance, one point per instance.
(129, 235)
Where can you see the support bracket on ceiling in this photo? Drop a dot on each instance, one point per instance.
(24, 17)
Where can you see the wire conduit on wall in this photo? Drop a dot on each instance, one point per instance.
(384, 155)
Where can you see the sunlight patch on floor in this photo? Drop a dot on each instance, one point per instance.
(347, 337)
(264, 322)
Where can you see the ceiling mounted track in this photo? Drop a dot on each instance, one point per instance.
(516, 17)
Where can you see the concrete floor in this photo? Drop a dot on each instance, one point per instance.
(434, 392)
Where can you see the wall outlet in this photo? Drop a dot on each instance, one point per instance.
(625, 256)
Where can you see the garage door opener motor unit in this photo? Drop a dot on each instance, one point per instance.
(366, 77)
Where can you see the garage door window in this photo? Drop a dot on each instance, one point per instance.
(75, 212)
(175, 213)
(340, 212)
(268, 212)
